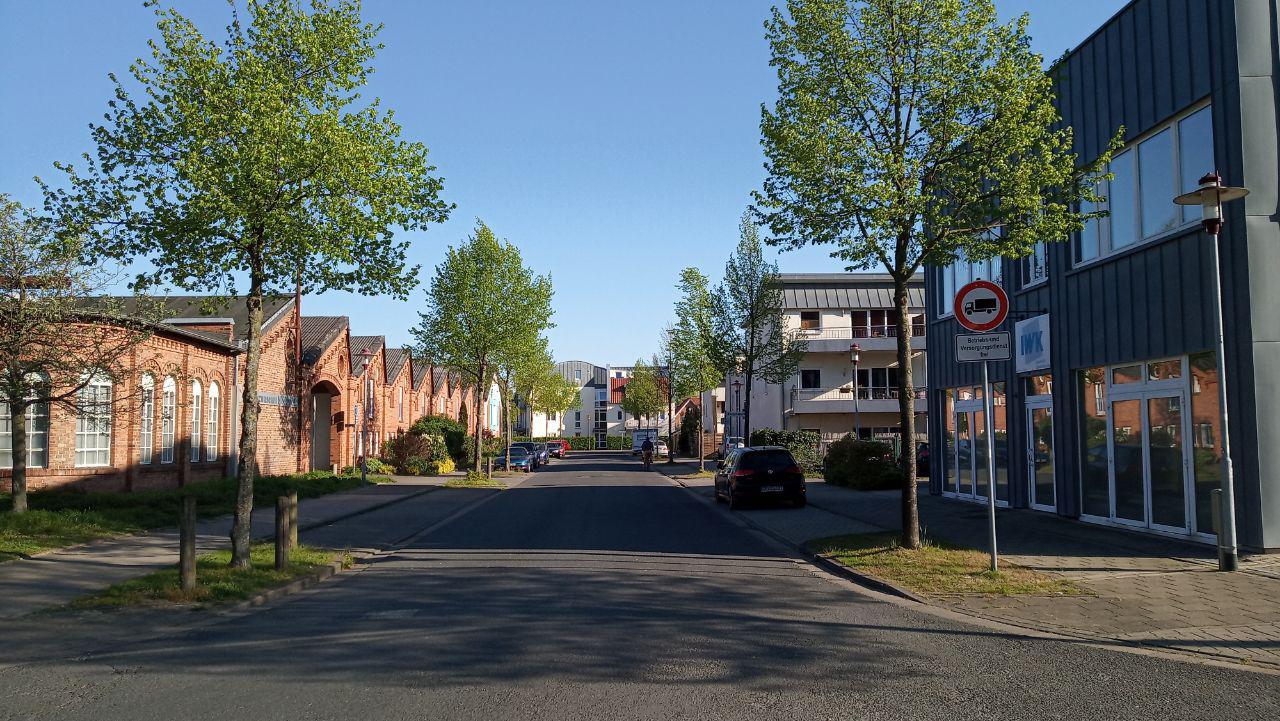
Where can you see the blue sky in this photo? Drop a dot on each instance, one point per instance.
(614, 143)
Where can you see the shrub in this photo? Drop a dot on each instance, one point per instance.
(400, 448)
(476, 477)
(373, 467)
(804, 445)
(582, 443)
(863, 465)
(453, 432)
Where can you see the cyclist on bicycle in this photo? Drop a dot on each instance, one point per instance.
(647, 450)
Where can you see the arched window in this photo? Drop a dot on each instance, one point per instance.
(146, 426)
(37, 423)
(211, 428)
(168, 404)
(93, 423)
(197, 419)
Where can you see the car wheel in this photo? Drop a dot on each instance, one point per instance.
(801, 502)
(735, 502)
(716, 493)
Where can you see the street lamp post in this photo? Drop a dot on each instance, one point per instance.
(854, 354)
(1210, 197)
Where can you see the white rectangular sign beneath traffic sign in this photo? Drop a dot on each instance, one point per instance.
(983, 347)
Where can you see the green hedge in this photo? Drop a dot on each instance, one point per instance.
(862, 465)
(804, 445)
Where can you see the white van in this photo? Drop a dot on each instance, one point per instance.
(639, 436)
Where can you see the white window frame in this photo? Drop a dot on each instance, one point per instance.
(168, 418)
(1033, 268)
(197, 418)
(1188, 216)
(211, 425)
(93, 423)
(37, 434)
(147, 420)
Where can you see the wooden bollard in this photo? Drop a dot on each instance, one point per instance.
(282, 533)
(293, 519)
(187, 544)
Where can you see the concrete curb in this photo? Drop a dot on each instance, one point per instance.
(301, 584)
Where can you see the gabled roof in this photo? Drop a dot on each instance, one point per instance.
(360, 343)
(318, 333)
(219, 308)
(421, 372)
(396, 361)
(437, 379)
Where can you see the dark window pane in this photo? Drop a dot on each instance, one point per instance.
(1207, 450)
(1094, 492)
(1156, 178)
(1195, 147)
(1123, 202)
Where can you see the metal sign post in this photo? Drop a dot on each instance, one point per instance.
(981, 306)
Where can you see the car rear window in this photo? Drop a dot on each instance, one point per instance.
(772, 460)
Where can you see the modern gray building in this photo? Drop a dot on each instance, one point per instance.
(1109, 411)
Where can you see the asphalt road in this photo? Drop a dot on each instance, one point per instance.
(593, 590)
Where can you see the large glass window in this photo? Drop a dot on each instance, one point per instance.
(37, 425)
(147, 420)
(1195, 155)
(1094, 484)
(93, 423)
(1035, 267)
(1206, 454)
(1158, 184)
(168, 406)
(211, 428)
(1147, 175)
(197, 418)
(1123, 201)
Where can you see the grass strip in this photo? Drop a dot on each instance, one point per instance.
(216, 582)
(937, 568)
(65, 517)
(474, 483)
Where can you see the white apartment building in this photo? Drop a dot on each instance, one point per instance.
(599, 411)
(833, 312)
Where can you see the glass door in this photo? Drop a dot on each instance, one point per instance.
(964, 455)
(1166, 461)
(1149, 461)
(1128, 462)
(1040, 454)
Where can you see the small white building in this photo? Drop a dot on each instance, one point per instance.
(599, 410)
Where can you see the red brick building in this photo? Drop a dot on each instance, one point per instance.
(174, 415)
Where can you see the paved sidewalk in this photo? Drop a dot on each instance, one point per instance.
(1144, 590)
(55, 578)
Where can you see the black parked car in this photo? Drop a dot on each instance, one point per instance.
(760, 473)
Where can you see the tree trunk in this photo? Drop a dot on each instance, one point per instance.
(18, 484)
(248, 467)
(671, 435)
(746, 413)
(478, 443)
(907, 419)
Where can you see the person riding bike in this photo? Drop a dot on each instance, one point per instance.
(647, 450)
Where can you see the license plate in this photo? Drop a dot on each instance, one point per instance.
(771, 489)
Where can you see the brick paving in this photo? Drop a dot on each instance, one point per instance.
(1142, 590)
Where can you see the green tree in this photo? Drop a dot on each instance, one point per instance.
(642, 396)
(520, 369)
(749, 335)
(557, 395)
(692, 341)
(914, 132)
(255, 162)
(484, 307)
(57, 334)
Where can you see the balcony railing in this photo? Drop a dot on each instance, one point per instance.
(840, 333)
(846, 393)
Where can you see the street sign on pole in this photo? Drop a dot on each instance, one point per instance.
(981, 306)
(973, 348)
